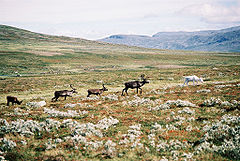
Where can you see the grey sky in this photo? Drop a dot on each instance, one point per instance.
(95, 19)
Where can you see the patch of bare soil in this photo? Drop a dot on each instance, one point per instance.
(45, 53)
(170, 66)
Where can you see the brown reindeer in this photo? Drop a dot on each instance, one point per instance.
(64, 93)
(135, 84)
(97, 91)
(13, 100)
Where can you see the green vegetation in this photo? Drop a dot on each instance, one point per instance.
(50, 63)
(28, 53)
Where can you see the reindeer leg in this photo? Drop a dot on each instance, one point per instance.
(123, 92)
(126, 91)
(56, 99)
(65, 97)
(137, 90)
(53, 98)
(7, 103)
(184, 83)
(140, 90)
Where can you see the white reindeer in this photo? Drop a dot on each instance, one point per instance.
(192, 79)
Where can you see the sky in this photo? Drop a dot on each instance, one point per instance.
(96, 19)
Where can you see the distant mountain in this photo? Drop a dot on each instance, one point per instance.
(225, 40)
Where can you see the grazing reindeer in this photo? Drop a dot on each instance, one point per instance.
(96, 91)
(192, 79)
(135, 84)
(64, 93)
(13, 100)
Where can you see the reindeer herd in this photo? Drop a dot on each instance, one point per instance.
(132, 85)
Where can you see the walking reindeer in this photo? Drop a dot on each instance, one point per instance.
(192, 79)
(135, 84)
(64, 93)
(97, 91)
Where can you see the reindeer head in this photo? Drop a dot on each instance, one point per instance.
(73, 89)
(144, 79)
(104, 88)
(19, 102)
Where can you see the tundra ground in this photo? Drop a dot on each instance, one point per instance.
(167, 121)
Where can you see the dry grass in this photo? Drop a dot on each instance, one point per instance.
(87, 64)
(42, 88)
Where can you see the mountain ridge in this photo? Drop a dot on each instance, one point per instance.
(224, 40)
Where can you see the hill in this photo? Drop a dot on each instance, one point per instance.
(225, 40)
(24, 52)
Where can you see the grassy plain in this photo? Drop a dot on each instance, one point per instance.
(48, 63)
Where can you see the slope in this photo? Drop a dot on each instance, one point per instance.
(24, 52)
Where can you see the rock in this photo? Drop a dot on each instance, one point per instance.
(36, 104)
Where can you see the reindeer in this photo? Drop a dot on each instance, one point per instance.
(135, 84)
(13, 100)
(64, 93)
(192, 79)
(97, 91)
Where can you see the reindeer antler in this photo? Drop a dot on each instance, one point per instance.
(142, 76)
(71, 86)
